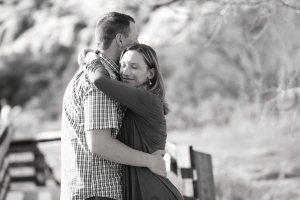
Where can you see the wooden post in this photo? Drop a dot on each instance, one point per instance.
(205, 187)
(190, 171)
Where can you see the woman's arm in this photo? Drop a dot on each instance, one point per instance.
(138, 100)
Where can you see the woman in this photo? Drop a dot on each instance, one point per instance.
(144, 125)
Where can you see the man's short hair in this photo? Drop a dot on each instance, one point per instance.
(109, 25)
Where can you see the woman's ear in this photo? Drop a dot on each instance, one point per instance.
(152, 73)
(119, 39)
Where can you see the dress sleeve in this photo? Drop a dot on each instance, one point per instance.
(138, 100)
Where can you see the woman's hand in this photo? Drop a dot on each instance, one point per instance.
(82, 56)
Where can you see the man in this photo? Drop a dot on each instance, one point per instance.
(91, 121)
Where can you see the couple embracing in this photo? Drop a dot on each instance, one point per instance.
(113, 120)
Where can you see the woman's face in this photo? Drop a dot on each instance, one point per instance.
(134, 70)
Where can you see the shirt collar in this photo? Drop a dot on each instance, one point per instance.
(113, 66)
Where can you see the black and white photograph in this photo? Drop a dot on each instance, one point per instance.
(149, 100)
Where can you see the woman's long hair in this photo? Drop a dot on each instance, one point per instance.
(149, 55)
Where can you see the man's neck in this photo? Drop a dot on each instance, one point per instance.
(111, 54)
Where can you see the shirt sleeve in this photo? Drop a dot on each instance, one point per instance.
(138, 100)
(100, 111)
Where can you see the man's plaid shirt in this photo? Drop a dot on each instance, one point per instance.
(85, 107)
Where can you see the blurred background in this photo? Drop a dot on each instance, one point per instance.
(231, 69)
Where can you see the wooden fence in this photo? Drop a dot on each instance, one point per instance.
(6, 135)
(42, 170)
(190, 171)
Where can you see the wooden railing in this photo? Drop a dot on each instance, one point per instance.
(6, 135)
(42, 170)
(190, 171)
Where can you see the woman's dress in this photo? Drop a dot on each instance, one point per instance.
(143, 129)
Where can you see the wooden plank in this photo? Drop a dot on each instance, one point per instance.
(15, 195)
(39, 178)
(173, 166)
(3, 170)
(48, 136)
(38, 138)
(171, 149)
(5, 144)
(55, 191)
(23, 147)
(4, 187)
(191, 172)
(31, 195)
(187, 173)
(183, 156)
(180, 153)
(44, 195)
(41, 193)
(205, 182)
(39, 164)
(173, 178)
(5, 139)
(3, 133)
(186, 187)
(180, 164)
(32, 178)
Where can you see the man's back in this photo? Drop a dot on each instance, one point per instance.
(84, 174)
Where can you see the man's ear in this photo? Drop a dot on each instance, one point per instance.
(119, 39)
(152, 73)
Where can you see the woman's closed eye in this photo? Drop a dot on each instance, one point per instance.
(134, 66)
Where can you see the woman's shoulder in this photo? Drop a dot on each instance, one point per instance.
(157, 102)
(149, 95)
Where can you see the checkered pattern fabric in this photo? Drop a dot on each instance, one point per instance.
(85, 107)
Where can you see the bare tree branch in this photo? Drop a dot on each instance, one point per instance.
(257, 2)
(289, 5)
(154, 7)
(240, 3)
(235, 3)
(263, 30)
(215, 33)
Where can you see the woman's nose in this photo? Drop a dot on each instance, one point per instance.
(126, 71)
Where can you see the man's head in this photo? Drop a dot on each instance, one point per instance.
(115, 26)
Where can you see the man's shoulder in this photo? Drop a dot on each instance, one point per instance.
(79, 84)
(108, 65)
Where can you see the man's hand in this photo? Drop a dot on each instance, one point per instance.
(81, 56)
(158, 164)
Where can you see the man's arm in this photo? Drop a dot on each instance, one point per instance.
(102, 144)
